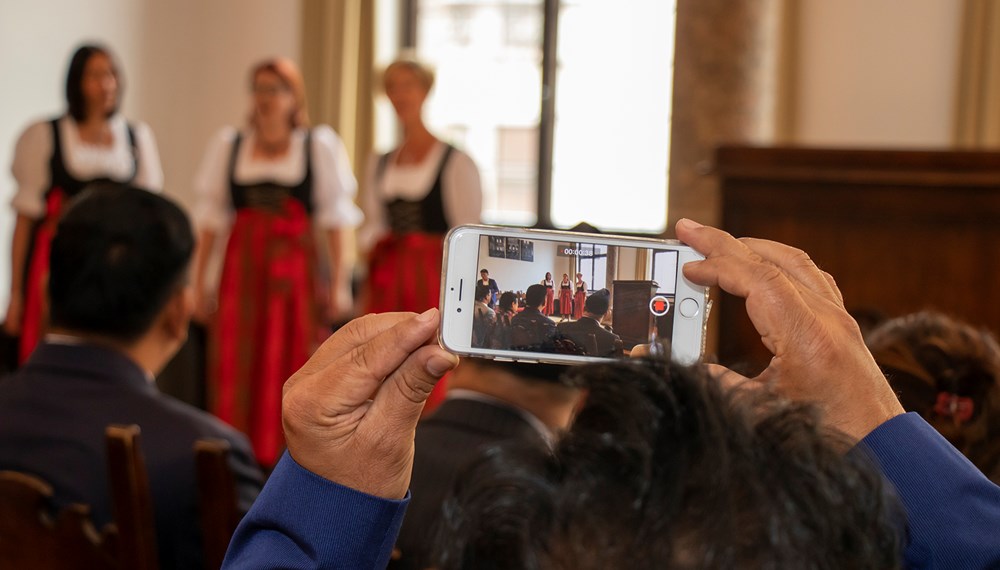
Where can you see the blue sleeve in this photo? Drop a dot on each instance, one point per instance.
(952, 509)
(301, 520)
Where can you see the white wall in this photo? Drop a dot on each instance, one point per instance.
(517, 275)
(184, 64)
(877, 72)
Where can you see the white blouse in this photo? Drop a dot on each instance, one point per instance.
(83, 161)
(334, 186)
(461, 190)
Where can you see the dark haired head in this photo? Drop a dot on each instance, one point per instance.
(948, 372)
(118, 255)
(484, 270)
(75, 100)
(664, 468)
(535, 295)
(598, 303)
(507, 300)
(482, 292)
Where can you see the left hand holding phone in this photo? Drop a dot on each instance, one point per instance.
(351, 411)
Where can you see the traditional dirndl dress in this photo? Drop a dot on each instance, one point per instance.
(64, 187)
(268, 321)
(579, 299)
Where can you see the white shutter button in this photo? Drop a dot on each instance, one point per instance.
(689, 308)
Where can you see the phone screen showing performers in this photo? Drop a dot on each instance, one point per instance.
(573, 298)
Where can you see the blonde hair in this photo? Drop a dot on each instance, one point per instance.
(423, 72)
(291, 77)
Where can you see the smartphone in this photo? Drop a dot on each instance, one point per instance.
(565, 297)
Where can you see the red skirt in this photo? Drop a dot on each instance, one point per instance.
(35, 314)
(579, 299)
(565, 301)
(404, 274)
(549, 307)
(267, 324)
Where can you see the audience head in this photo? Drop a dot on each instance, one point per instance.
(407, 82)
(664, 467)
(279, 93)
(598, 303)
(534, 297)
(949, 372)
(482, 292)
(119, 265)
(507, 300)
(93, 85)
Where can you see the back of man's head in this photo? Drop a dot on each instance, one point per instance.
(118, 255)
(482, 292)
(664, 468)
(535, 295)
(598, 303)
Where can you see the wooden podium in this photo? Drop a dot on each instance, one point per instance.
(631, 319)
(900, 230)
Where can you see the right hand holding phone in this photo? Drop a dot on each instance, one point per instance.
(819, 354)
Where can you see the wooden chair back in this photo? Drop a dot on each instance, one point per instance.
(131, 501)
(33, 538)
(217, 500)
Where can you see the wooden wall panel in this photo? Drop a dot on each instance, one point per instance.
(899, 230)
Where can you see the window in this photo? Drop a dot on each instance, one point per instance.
(597, 151)
(593, 265)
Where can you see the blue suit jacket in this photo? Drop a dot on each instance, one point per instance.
(303, 521)
(53, 412)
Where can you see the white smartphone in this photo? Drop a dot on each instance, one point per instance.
(565, 297)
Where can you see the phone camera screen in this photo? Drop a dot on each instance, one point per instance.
(573, 298)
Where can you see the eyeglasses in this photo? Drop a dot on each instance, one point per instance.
(269, 90)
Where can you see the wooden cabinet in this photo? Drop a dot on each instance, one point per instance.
(900, 230)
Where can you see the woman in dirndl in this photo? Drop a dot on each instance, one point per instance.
(56, 159)
(414, 195)
(273, 186)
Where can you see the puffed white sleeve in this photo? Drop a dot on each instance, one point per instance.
(150, 174)
(334, 186)
(375, 225)
(462, 190)
(31, 170)
(213, 208)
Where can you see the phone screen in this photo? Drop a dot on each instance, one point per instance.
(573, 298)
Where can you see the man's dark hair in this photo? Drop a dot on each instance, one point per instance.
(482, 292)
(598, 303)
(664, 468)
(118, 255)
(507, 300)
(535, 295)
(77, 105)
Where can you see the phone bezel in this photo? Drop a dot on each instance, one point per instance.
(461, 259)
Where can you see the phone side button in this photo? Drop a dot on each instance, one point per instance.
(503, 359)
(689, 308)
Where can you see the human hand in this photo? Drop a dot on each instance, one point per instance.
(350, 413)
(15, 312)
(205, 306)
(819, 354)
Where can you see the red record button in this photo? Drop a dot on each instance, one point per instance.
(659, 305)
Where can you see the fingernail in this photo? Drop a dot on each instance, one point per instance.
(689, 224)
(438, 365)
(427, 316)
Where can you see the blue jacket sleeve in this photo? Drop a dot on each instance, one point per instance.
(301, 520)
(952, 509)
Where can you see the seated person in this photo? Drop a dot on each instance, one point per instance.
(588, 333)
(483, 318)
(948, 372)
(488, 402)
(506, 309)
(531, 330)
(338, 497)
(665, 467)
(120, 302)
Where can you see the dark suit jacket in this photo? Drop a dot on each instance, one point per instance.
(578, 332)
(531, 330)
(52, 418)
(446, 442)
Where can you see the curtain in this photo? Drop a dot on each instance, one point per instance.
(977, 112)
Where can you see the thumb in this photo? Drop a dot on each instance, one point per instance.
(401, 398)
